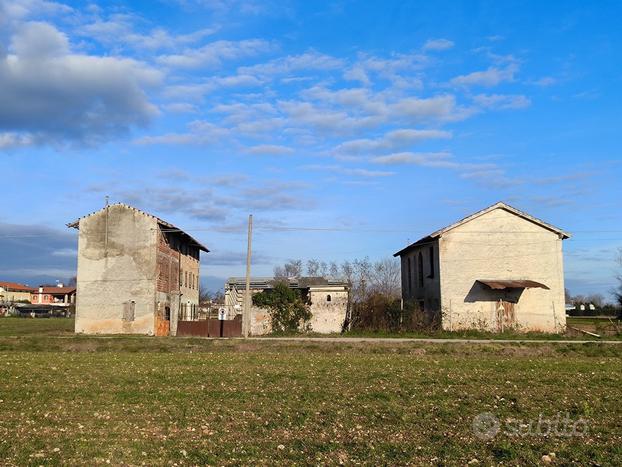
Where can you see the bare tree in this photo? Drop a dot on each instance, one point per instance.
(293, 268)
(313, 267)
(385, 278)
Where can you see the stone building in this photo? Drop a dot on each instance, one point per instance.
(328, 300)
(497, 269)
(137, 274)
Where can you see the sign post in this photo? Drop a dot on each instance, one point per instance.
(221, 318)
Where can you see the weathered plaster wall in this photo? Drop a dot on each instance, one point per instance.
(501, 245)
(112, 274)
(328, 316)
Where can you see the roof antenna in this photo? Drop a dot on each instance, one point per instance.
(107, 198)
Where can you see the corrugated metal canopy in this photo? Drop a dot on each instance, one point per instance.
(512, 284)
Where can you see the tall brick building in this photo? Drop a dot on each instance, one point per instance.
(136, 273)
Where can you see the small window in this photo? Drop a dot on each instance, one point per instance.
(420, 269)
(167, 313)
(328, 298)
(431, 252)
(129, 310)
(185, 278)
(410, 276)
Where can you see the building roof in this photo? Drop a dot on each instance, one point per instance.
(499, 205)
(15, 287)
(54, 289)
(76, 224)
(293, 282)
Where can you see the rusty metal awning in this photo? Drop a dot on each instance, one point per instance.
(512, 284)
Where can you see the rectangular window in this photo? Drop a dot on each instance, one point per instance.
(420, 269)
(431, 251)
(410, 277)
(185, 278)
(129, 309)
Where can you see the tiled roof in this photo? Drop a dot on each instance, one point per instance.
(57, 290)
(16, 287)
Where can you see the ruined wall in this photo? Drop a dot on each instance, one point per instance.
(501, 245)
(328, 316)
(113, 273)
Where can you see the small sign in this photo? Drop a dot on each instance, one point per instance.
(221, 313)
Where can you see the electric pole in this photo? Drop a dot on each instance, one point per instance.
(246, 317)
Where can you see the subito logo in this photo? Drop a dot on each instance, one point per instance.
(485, 426)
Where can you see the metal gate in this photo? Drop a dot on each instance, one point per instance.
(211, 328)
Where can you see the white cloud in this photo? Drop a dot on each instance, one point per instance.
(428, 159)
(308, 61)
(213, 54)
(51, 95)
(270, 149)
(442, 108)
(357, 172)
(487, 78)
(438, 44)
(180, 107)
(357, 73)
(15, 140)
(119, 30)
(392, 140)
(497, 101)
(199, 132)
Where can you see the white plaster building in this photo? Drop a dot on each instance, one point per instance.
(327, 298)
(497, 269)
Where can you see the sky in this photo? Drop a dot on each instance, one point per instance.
(346, 128)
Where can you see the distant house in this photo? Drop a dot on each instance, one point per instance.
(14, 292)
(327, 298)
(54, 294)
(497, 269)
(137, 273)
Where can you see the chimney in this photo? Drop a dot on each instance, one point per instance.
(60, 284)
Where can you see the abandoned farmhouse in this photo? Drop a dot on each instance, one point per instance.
(327, 299)
(497, 269)
(135, 273)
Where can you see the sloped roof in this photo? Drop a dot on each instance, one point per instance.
(76, 224)
(16, 287)
(53, 289)
(293, 282)
(499, 205)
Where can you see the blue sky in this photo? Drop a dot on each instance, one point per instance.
(378, 121)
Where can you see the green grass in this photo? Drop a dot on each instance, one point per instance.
(36, 326)
(158, 401)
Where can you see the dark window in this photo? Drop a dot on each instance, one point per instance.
(431, 251)
(410, 277)
(328, 298)
(129, 310)
(420, 269)
(167, 313)
(421, 304)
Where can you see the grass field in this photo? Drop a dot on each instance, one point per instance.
(165, 401)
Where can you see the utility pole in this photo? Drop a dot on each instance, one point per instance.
(246, 317)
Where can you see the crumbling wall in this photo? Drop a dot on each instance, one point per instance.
(116, 272)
